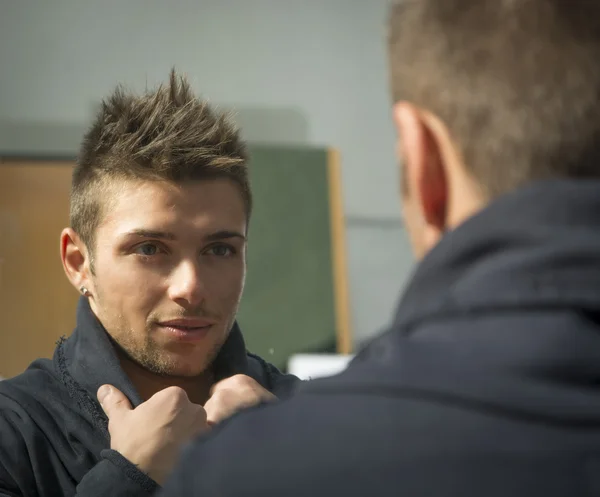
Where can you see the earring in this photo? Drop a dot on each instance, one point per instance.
(84, 291)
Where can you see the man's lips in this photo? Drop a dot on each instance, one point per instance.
(187, 329)
(187, 323)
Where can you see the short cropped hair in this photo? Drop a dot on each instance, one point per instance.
(164, 134)
(517, 83)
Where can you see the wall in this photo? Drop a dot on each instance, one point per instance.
(299, 72)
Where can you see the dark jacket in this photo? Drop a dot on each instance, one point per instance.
(53, 433)
(487, 384)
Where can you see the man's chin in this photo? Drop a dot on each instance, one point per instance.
(178, 368)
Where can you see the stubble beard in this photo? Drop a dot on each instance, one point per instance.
(151, 356)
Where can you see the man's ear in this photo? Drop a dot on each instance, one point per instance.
(424, 168)
(75, 259)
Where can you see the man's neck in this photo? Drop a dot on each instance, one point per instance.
(147, 383)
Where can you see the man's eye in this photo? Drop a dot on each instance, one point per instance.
(221, 250)
(147, 249)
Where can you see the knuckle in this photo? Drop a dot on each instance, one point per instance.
(240, 382)
(221, 400)
(237, 382)
(242, 379)
(226, 395)
(175, 396)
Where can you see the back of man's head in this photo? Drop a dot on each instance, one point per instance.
(516, 82)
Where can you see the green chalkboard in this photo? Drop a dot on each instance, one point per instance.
(289, 302)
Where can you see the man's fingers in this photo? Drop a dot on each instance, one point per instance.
(225, 403)
(244, 386)
(215, 410)
(234, 394)
(237, 382)
(113, 401)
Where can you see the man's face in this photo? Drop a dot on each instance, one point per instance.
(169, 271)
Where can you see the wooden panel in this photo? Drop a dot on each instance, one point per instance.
(338, 254)
(37, 303)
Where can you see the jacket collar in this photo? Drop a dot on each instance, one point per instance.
(539, 246)
(87, 359)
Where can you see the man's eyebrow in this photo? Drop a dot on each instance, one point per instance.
(223, 235)
(165, 235)
(144, 233)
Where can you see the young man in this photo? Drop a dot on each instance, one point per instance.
(487, 381)
(160, 205)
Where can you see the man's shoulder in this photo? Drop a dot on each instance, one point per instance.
(39, 384)
(270, 377)
(27, 401)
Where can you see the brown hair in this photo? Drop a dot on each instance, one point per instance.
(517, 83)
(164, 134)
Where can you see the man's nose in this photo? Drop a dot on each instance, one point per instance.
(186, 287)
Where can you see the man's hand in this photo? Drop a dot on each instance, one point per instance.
(232, 395)
(151, 435)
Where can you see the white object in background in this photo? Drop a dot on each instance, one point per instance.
(311, 366)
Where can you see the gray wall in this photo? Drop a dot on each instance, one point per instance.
(310, 71)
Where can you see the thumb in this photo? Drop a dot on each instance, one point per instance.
(113, 401)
